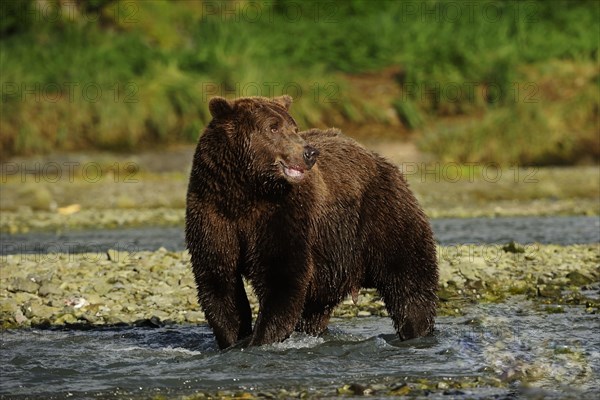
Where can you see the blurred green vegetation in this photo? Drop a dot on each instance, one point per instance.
(505, 81)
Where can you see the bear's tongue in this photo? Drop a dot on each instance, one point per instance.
(293, 172)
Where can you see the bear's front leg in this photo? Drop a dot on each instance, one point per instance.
(225, 304)
(220, 286)
(281, 294)
(214, 250)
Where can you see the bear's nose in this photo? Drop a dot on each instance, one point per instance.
(310, 156)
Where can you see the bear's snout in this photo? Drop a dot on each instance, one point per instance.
(310, 156)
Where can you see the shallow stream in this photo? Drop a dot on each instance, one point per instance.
(508, 348)
(448, 231)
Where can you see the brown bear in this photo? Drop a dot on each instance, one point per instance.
(307, 218)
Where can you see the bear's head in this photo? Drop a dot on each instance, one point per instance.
(264, 136)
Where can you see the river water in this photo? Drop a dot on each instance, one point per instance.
(560, 354)
(514, 349)
(450, 231)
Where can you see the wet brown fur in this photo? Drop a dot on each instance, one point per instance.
(304, 244)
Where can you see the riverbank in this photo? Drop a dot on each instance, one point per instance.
(157, 288)
(494, 99)
(104, 191)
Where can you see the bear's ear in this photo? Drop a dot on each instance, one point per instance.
(285, 101)
(219, 107)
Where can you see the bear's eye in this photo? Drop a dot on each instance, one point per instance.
(274, 128)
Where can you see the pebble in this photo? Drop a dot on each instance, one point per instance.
(24, 285)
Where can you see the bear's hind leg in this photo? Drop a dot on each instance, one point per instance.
(413, 314)
(314, 321)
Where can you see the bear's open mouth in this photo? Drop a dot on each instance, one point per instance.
(293, 172)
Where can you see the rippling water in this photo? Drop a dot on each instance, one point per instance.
(559, 354)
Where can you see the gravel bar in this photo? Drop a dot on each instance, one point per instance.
(157, 288)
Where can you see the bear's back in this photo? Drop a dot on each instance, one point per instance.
(345, 166)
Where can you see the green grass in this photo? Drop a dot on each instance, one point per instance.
(536, 130)
(156, 64)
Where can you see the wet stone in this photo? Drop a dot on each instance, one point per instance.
(24, 285)
(102, 288)
(23, 297)
(513, 247)
(576, 278)
(40, 312)
(20, 318)
(9, 306)
(49, 289)
(400, 390)
(66, 319)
